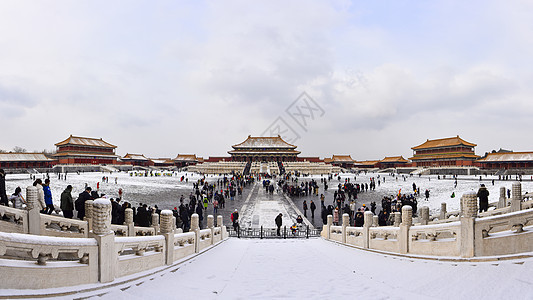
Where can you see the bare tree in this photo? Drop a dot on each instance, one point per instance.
(18, 149)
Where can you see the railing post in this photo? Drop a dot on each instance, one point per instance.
(345, 223)
(167, 230)
(34, 216)
(502, 201)
(195, 227)
(424, 215)
(468, 217)
(307, 231)
(375, 221)
(328, 227)
(407, 221)
(261, 231)
(443, 211)
(397, 218)
(89, 214)
(220, 224)
(105, 237)
(284, 232)
(155, 223)
(211, 225)
(516, 197)
(367, 223)
(128, 221)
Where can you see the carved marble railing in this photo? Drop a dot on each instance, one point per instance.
(435, 239)
(144, 231)
(184, 245)
(120, 230)
(217, 234)
(355, 236)
(204, 238)
(504, 234)
(63, 227)
(27, 259)
(13, 219)
(136, 254)
(336, 233)
(384, 238)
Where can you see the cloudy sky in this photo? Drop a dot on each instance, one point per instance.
(168, 77)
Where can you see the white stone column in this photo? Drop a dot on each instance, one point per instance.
(128, 221)
(220, 223)
(89, 214)
(424, 215)
(407, 222)
(328, 226)
(345, 223)
(155, 223)
(367, 223)
(375, 221)
(211, 225)
(516, 197)
(195, 227)
(443, 211)
(34, 216)
(167, 230)
(468, 216)
(502, 201)
(107, 256)
(397, 218)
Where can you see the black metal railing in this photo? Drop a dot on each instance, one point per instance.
(271, 233)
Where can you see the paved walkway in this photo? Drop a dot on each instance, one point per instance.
(317, 269)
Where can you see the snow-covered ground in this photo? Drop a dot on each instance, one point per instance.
(165, 191)
(162, 190)
(318, 269)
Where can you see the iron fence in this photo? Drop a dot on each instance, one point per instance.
(271, 233)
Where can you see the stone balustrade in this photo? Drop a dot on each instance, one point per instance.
(470, 235)
(101, 257)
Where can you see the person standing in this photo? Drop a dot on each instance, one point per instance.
(80, 202)
(48, 197)
(17, 198)
(279, 221)
(235, 219)
(313, 207)
(3, 196)
(483, 195)
(40, 195)
(67, 205)
(305, 208)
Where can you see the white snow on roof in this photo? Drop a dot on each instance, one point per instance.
(264, 142)
(518, 156)
(23, 157)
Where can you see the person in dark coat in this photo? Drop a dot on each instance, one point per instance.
(483, 195)
(115, 212)
(3, 195)
(67, 206)
(80, 203)
(200, 212)
(313, 207)
(359, 219)
(143, 216)
(305, 208)
(279, 221)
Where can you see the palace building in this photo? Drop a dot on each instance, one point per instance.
(393, 162)
(343, 161)
(17, 160)
(452, 151)
(84, 150)
(507, 160)
(268, 149)
(137, 160)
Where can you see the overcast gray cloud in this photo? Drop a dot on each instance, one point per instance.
(168, 77)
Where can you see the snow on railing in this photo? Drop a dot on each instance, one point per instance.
(63, 227)
(14, 219)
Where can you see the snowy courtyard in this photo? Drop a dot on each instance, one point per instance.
(165, 191)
